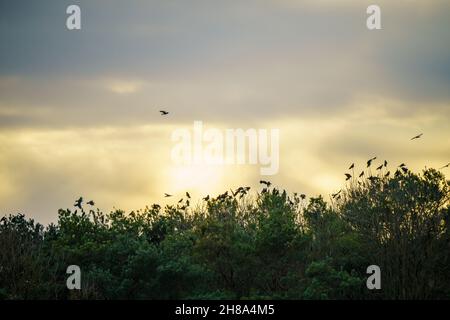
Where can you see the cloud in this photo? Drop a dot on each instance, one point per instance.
(79, 110)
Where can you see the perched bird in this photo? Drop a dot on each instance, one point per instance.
(404, 169)
(164, 113)
(402, 165)
(380, 167)
(348, 176)
(369, 162)
(361, 174)
(397, 173)
(446, 166)
(187, 203)
(91, 203)
(78, 203)
(223, 196)
(417, 137)
(351, 167)
(188, 195)
(206, 198)
(303, 196)
(166, 195)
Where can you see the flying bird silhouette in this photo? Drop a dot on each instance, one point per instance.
(385, 163)
(163, 113)
(446, 166)
(361, 174)
(267, 183)
(348, 176)
(351, 167)
(206, 198)
(369, 162)
(188, 195)
(380, 167)
(417, 137)
(166, 195)
(387, 174)
(78, 203)
(334, 195)
(91, 203)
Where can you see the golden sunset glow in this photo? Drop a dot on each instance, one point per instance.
(80, 111)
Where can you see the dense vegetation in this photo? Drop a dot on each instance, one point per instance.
(244, 245)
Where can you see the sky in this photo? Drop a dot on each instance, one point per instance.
(79, 110)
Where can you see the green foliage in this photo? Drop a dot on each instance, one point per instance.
(240, 246)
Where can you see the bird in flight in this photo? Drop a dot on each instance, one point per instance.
(361, 174)
(385, 163)
(351, 167)
(387, 174)
(348, 176)
(267, 183)
(417, 137)
(446, 166)
(402, 165)
(334, 195)
(369, 162)
(163, 113)
(206, 198)
(91, 203)
(188, 195)
(380, 167)
(167, 195)
(78, 202)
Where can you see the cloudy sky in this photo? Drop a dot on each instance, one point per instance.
(79, 109)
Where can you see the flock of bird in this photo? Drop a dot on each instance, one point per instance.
(242, 191)
(79, 202)
(400, 169)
